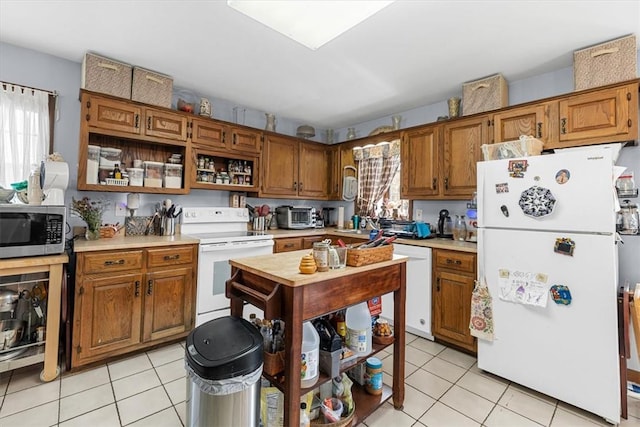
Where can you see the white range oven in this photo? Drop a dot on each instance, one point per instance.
(223, 236)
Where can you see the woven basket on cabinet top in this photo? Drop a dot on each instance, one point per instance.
(357, 257)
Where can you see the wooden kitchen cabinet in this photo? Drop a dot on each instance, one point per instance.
(204, 178)
(130, 300)
(212, 134)
(294, 169)
(140, 131)
(530, 120)
(598, 116)
(453, 282)
(462, 141)
(288, 244)
(421, 162)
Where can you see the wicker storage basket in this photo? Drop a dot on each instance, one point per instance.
(358, 257)
(273, 363)
(343, 422)
(151, 87)
(106, 75)
(490, 93)
(606, 63)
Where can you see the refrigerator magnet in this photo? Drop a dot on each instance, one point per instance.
(505, 210)
(563, 176)
(537, 201)
(502, 187)
(517, 168)
(560, 294)
(564, 246)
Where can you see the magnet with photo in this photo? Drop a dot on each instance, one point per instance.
(565, 246)
(563, 176)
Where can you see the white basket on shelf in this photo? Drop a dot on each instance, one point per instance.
(119, 182)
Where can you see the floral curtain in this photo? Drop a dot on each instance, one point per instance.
(377, 165)
(24, 131)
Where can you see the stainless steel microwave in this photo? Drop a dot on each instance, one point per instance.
(31, 230)
(296, 217)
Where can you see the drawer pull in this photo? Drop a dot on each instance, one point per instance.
(171, 257)
(149, 287)
(452, 261)
(118, 262)
(149, 123)
(288, 245)
(137, 292)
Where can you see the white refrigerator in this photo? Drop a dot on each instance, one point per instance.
(549, 221)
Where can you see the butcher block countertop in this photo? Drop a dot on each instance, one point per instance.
(436, 243)
(283, 268)
(132, 242)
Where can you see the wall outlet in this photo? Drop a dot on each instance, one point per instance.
(418, 214)
(121, 209)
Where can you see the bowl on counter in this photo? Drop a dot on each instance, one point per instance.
(11, 331)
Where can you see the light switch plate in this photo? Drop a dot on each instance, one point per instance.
(418, 214)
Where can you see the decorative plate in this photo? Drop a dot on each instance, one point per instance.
(537, 201)
(381, 129)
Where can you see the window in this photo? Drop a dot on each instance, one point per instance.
(25, 130)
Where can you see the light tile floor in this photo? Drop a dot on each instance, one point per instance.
(444, 387)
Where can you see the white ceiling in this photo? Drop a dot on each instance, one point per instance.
(410, 54)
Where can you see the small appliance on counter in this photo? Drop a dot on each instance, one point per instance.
(445, 225)
(296, 218)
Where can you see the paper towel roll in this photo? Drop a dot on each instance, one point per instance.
(340, 217)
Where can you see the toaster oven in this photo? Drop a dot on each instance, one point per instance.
(296, 217)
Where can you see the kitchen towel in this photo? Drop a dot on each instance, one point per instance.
(481, 323)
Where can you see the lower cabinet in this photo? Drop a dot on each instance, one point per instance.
(453, 281)
(288, 244)
(129, 300)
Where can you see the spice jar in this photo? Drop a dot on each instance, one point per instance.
(321, 255)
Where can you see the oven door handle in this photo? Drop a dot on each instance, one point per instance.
(269, 303)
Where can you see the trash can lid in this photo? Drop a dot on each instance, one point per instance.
(224, 348)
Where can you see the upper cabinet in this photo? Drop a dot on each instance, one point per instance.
(421, 162)
(607, 115)
(462, 141)
(219, 136)
(294, 169)
(529, 120)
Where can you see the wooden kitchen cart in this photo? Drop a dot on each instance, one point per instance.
(52, 265)
(273, 283)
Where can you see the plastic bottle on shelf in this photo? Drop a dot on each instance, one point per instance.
(304, 418)
(358, 321)
(309, 368)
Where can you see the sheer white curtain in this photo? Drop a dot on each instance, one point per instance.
(24, 131)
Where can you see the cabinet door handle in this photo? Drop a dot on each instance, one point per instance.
(563, 125)
(295, 185)
(136, 121)
(118, 262)
(539, 130)
(435, 184)
(171, 257)
(224, 137)
(234, 139)
(137, 292)
(438, 284)
(149, 287)
(149, 123)
(446, 183)
(629, 123)
(300, 186)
